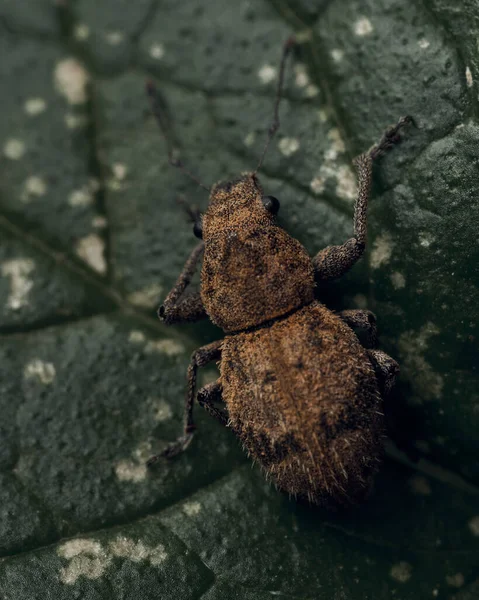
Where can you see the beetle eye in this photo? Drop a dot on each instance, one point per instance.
(198, 229)
(271, 204)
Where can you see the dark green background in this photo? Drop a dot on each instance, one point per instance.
(92, 238)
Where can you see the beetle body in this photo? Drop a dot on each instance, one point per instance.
(300, 391)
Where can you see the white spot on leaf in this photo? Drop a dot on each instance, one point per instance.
(420, 485)
(363, 27)
(137, 551)
(267, 74)
(71, 79)
(163, 410)
(14, 149)
(191, 508)
(401, 572)
(41, 370)
(35, 106)
(346, 187)
(288, 146)
(129, 470)
(91, 249)
(423, 43)
(147, 297)
(168, 347)
(474, 526)
(136, 337)
(99, 222)
(382, 250)
(456, 580)
(302, 77)
(337, 54)
(75, 121)
(81, 32)
(114, 38)
(398, 280)
(412, 345)
(18, 270)
(33, 186)
(469, 80)
(249, 139)
(157, 51)
(81, 197)
(87, 559)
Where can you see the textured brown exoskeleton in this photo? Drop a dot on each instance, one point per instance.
(300, 391)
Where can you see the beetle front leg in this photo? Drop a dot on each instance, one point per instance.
(199, 358)
(386, 369)
(190, 308)
(335, 261)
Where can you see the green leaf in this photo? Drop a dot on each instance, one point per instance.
(91, 384)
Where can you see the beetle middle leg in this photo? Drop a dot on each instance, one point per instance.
(335, 261)
(191, 307)
(199, 358)
(386, 369)
(364, 319)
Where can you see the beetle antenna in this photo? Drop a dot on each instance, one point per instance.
(290, 42)
(158, 109)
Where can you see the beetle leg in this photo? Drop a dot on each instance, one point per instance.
(364, 319)
(386, 369)
(190, 308)
(207, 396)
(199, 358)
(335, 261)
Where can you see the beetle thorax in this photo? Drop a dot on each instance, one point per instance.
(253, 271)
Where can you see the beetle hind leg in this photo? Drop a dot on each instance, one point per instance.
(207, 396)
(386, 369)
(364, 320)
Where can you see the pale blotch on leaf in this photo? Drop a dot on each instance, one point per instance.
(124, 547)
(34, 186)
(14, 149)
(346, 187)
(99, 222)
(474, 526)
(456, 580)
(40, 370)
(398, 280)
(426, 239)
(157, 51)
(147, 297)
(363, 26)
(162, 410)
(81, 197)
(91, 249)
(81, 32)
(426, 383)
(337, 54)
(168, 347)
(34, 106)
(288, 146)
(87, 559)
(129, 470)
(249, 139)
(420, 485)
(191, 508)
(381, 251)
(71, 79)
(423, 43)
(469, 80)
(267, 74)
(301, 75)
(360, 301)
(402, 572)
(136, 337)
(18, 270)
(73, 121)
(114, 38)
(311, 91)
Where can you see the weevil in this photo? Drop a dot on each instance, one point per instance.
(296, 386)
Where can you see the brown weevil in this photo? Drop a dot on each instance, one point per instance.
(297, 387)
